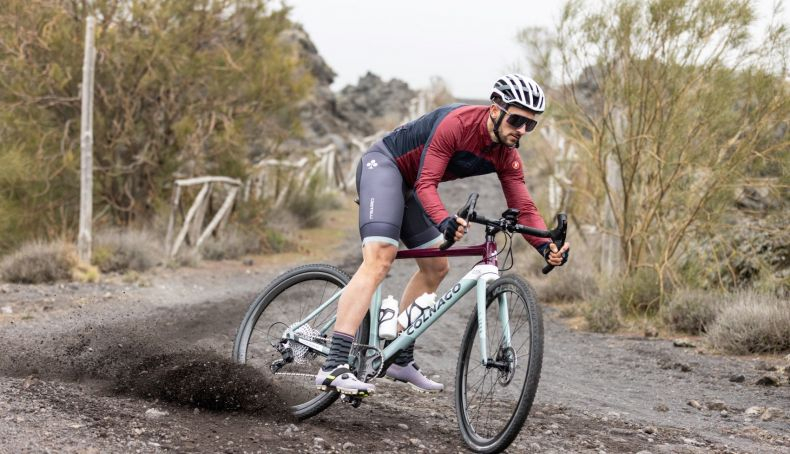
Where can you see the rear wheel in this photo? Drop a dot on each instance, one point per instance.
(493, 395)
(260, 340)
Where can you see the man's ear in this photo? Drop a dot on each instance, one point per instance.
(493, 111)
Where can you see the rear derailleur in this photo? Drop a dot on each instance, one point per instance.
(288, 355)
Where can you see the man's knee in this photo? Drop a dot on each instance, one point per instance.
(377, 258)
(435, 270)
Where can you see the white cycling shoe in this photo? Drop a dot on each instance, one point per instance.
(412, 375)
(341, 379)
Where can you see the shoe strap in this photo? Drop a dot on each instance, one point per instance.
(337, 372)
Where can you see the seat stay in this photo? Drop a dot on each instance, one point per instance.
(324, 327)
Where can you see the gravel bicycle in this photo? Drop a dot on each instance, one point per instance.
(287, 331)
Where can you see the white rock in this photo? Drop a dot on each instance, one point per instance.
(691, 441)
(403, 426)
(6, 310)
(754, 411)
(348, 445)
(153, 413)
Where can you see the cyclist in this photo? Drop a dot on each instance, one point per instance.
(397, 182)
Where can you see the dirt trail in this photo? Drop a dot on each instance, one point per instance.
(116, 367)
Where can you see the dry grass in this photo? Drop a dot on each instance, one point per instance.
(231, 244)
(752, 323)
(570, 283)
(692, 311)
(38, 263)
(118, 250)
(186, 256)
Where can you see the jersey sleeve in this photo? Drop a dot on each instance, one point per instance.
(437, 154)
(511, 176)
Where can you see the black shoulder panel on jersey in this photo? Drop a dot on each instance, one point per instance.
(417, 132)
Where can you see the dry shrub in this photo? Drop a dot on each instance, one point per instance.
(569, 311)
(692, 311)
(570, 283)
(603, 314)
(118, 250)
(38, 262)
(232, 243)
(186, 256)
(308, 204)
(274, 241)
(752, 323)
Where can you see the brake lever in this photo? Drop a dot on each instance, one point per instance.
(558, 236)
(465, 213)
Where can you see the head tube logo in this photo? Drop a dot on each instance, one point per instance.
(372, 164)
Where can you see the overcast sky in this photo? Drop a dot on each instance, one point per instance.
(469, 43)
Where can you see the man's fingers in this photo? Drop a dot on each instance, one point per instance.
(565, 247)
(553, 247)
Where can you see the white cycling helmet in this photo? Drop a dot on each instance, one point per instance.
(521, 91)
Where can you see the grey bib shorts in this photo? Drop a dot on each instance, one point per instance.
(388, 208)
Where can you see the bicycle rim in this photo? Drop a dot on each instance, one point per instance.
(289, 299)
(492, 403)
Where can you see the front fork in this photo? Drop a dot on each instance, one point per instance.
(481, 325)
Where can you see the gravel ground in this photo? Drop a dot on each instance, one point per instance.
(144, 367)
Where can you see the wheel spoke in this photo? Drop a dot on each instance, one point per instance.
(287, 301)
(490, 417)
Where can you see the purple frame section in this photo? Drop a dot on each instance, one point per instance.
(486, 250)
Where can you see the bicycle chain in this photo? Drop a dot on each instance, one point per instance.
(310, 337)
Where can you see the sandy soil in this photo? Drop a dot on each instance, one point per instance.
(145, 367)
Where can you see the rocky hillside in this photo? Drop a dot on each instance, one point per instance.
(357, 110)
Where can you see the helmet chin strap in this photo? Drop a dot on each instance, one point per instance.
(497, 123)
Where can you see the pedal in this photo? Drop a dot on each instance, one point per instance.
(355, 401)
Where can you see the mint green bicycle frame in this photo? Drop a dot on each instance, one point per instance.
(477, 278)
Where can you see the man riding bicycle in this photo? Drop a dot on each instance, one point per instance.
(397, 181)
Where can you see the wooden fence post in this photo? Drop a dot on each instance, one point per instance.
(84, 238)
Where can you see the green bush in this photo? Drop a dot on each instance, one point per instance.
(37, 262)
(119, 250)
(188, 88)
(232, 243)
(639, 293)
(752, 322)
(603, 314)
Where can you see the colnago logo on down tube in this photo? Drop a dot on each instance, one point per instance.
(428, 313)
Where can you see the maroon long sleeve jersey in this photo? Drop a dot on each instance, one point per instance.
(453, 142)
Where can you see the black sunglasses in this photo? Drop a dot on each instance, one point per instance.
(518, 121)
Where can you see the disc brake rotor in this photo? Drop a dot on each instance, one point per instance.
(507, 355)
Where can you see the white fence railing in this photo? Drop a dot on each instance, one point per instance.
(271, 179)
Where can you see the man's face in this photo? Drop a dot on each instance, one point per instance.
(509, 134)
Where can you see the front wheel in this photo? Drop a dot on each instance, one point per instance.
(493, 395)
(260, 342)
